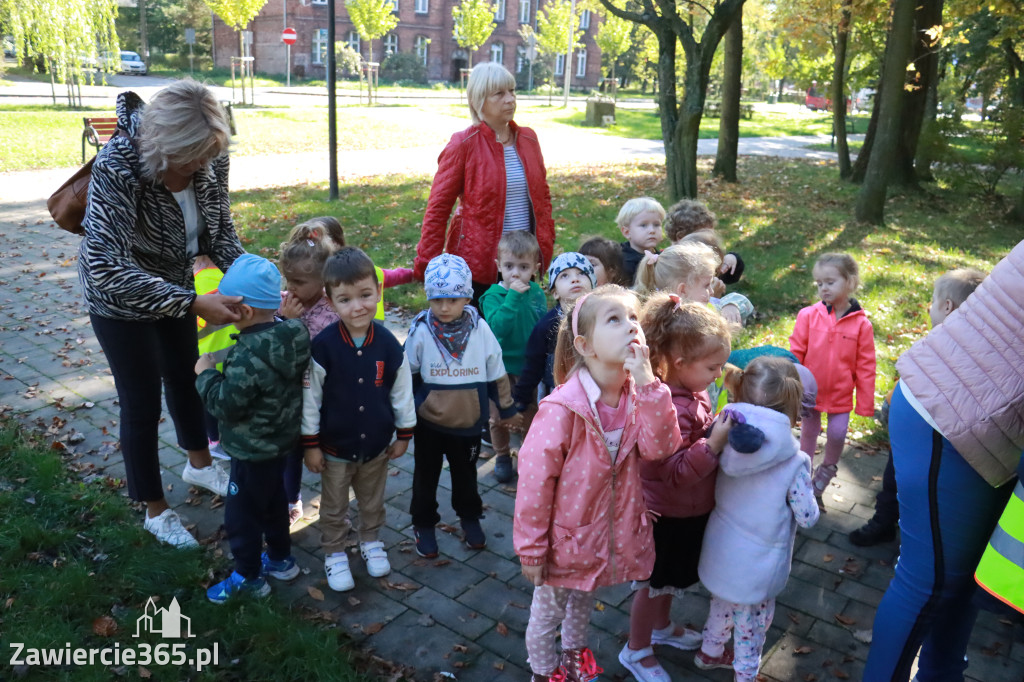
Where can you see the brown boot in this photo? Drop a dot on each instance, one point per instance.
(580, 666)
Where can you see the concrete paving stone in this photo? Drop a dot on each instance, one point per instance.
(1017, 647)
(821, 663)
(360, 607)
(877, 574)
(451, 579)
(20, 370)
(510, 647)
(838, 638)
(449, 612)
(428, 649)
(499, 602)
(18, 346)
(397, 481)
(987, 661)
(488, 667)
(610, 619)
(860, 592)
(791, 620)
(854, 492)
(495, 566)
(308, 538)
(997, 623)
(497, 500)
(620, 595)
(812, 600)
(401, 502)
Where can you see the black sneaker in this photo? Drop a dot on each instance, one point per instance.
(426, 541)
(475, 538)
(874, 532)
(503, 470)
(485, 436)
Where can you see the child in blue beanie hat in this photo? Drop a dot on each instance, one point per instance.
(258, 401)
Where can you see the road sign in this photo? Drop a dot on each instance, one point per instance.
(190, 36)
(288, 36)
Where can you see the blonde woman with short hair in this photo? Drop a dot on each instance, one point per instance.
(494, 170)
(158, 199)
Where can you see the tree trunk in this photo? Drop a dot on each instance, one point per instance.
(143, 33)
(860, 166)
(729, 123)
(839, 91)
(870, 206)
(241, 53)
(669, 110)
(926, 59)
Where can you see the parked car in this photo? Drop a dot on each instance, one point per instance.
(863, 99)
(8, 42)
(124, 62)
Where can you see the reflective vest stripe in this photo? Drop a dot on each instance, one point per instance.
(215, 339)
(1001, 569)
(380, 299)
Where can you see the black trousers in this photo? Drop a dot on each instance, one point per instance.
(256, 509)
(431, 447)
(887, 507)
(142, 357)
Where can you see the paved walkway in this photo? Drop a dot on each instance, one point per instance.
(465, 612)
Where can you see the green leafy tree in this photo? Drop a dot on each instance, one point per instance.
(65, 34)
(236, 14)
(372, 18)
(613, 39)
(474, 23)
(553, 32)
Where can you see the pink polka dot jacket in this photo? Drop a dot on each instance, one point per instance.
(579, 511)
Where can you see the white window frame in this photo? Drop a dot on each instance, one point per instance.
(354, 41)
(319, 2)
(559, 64)
(390, 42)
(585, 20)
(319, 43)
(581, 62)
(499, 10)
(499, 50)
(524, 11)
(422, 7)
(520, 58)
(394, 6)
(422, 47)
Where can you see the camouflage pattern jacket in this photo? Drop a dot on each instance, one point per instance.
(258, 397)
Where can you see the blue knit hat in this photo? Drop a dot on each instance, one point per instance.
(571, 259)
(255, 279)
(447, 276)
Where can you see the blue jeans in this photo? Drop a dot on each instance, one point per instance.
(947, 513)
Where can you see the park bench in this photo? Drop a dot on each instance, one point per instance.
(98, 130)
(714, 110)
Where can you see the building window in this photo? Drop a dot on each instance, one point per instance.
(524, 11)
(319, 2)
(581, 63)
(499, 10)
(559, 64)
(320, 46)
(520, 59)
(422, 45)
(394, 6)
(422, 6)
(497, 53)
(585, 20)
(353, 40)
(391, 44)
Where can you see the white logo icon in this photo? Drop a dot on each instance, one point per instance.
(164, 622)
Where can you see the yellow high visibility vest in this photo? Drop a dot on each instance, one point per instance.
(1001, 569)
(215, 339)
(380, 299)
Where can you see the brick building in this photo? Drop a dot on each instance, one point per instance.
(424, 28)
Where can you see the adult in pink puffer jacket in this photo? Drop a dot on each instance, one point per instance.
(957, 431)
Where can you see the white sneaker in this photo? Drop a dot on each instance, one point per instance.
(168, 529)
(376, 558)
(688, 641)
(213, 478)
(339, 575)
(630, 660)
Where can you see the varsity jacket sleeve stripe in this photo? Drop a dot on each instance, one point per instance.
(312, 399)
(110, 222)
(402, 402)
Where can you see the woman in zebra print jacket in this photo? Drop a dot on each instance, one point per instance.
(157, 199)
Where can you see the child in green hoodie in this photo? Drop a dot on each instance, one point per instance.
(512, 308)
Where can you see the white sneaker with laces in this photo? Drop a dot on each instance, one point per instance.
(339, 575)
(167, 528)
(688, 641)
(213, 477)
(376, 558)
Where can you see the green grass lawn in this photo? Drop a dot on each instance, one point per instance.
(78, 568)
(778, 236)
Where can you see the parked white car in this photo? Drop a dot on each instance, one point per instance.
(125, 62)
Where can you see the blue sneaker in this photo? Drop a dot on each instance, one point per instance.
(285, 569)
(235, 583)
(503, 470)
(475, 538)
(426, 541)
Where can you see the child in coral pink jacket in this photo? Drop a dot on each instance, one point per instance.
(581, 521)
(834, 339)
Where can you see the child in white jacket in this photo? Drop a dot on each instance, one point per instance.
(762, 494)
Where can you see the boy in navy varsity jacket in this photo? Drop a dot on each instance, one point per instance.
(357, 395)
(457, 369)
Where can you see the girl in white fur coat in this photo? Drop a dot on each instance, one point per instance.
(762, 494)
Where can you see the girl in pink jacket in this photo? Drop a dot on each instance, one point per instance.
(834, 339)
(581, 521)
(689, 346)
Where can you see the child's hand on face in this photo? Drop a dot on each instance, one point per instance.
(396, 449)
(638, 363)
(535, 574)
(717, 287)
(728, 264)
(720, 433)
(519, 286)
(314, 458)
(291, 307)
(204, 363)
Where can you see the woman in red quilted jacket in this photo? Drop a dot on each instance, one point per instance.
(495, 171)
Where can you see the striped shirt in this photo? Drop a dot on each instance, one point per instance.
(517, 195)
